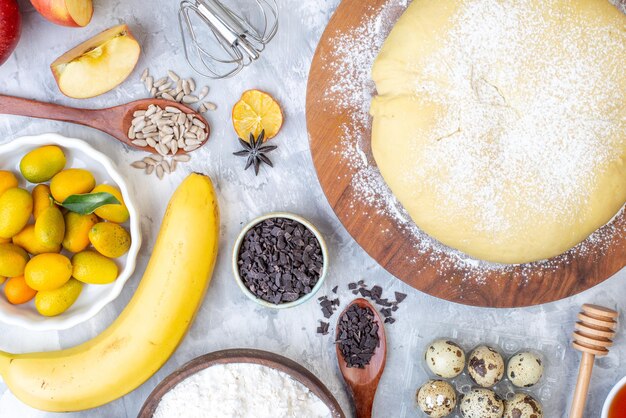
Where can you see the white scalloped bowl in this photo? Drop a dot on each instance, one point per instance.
(93, 297)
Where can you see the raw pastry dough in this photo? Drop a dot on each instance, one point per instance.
(500, 125)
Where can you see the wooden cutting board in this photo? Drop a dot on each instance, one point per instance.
(395, 247)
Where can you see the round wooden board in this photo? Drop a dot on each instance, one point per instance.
(242, 355)
(396, 247)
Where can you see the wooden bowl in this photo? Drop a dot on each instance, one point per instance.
(251, 356)
(394, 245)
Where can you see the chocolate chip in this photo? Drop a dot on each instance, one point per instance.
(280, 260)
(357, 336)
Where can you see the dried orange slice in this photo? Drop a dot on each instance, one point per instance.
(257, 111)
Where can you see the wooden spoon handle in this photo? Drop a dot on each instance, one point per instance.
(10, 105)
(582, 386)
(364, 401)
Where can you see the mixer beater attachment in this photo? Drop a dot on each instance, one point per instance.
(231, 42)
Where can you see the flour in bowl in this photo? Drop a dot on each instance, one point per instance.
(241, 390)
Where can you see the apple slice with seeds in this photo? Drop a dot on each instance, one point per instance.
(97, 65)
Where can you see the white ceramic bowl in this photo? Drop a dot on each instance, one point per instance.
(93, 297)
(611, 397)
(235, 259)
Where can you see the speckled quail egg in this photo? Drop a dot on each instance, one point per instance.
(525, 369)
(485, 366)
(522, 406)
(481, 403)
(436, 398)
(445, 358)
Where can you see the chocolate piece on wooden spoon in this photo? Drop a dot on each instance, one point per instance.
(593, 336)
(115, 121)
(363, 382)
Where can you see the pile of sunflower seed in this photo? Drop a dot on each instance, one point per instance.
(168, 130)
(159, 165)
(177, 89)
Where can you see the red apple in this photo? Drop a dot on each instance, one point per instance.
(73, 13)
(10, 28)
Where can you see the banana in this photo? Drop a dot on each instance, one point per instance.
(149, 329)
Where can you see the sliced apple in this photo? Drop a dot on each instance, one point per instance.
(98, 65)
(74, 13)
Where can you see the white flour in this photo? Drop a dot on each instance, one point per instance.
(241, 390)
(350, 92)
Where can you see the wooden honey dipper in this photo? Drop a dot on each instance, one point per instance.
(593, 336)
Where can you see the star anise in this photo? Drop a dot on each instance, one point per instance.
(255, 152)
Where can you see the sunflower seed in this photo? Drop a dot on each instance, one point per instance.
(156, 157)
(144, 75)
(149, 169)
(149, 161)
(199, 123)
(186, 87)
(139, 113)
(167, 129)
(188, 99)
(131, 132)
(166, 167)
(151, 142)
(167, 139)
(190, 135)
(165, 86)
(153, 92)
(140, 142)
(183, 158)
(173, 165)
(159, 172)
(160, 82)
(173, 76)
(149, 83)
(210, 106)
(139, 135)
(180, 120)
(190, 148)
(167, 96)
(161, 149)
(152, 109)
(148, 129)
(192, 84)
(139, 164)
(151, 135)
(191, 142)
(179, 96)
(202, 108)
(181, 143)
(140, 126)
(172, 109)
(203, 92)
(174, 147)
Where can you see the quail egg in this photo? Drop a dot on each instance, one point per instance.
(525, 369)
(522, 406)
(445, 358)
(481, 403)
(485, 366)
(436, 398)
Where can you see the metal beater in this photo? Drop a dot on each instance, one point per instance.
(231, 42)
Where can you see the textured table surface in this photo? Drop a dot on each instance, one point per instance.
(227, 318)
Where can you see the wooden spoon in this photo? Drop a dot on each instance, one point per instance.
(363, 383)
(115, 121)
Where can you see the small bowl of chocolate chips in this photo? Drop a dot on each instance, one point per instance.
(280, 260)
